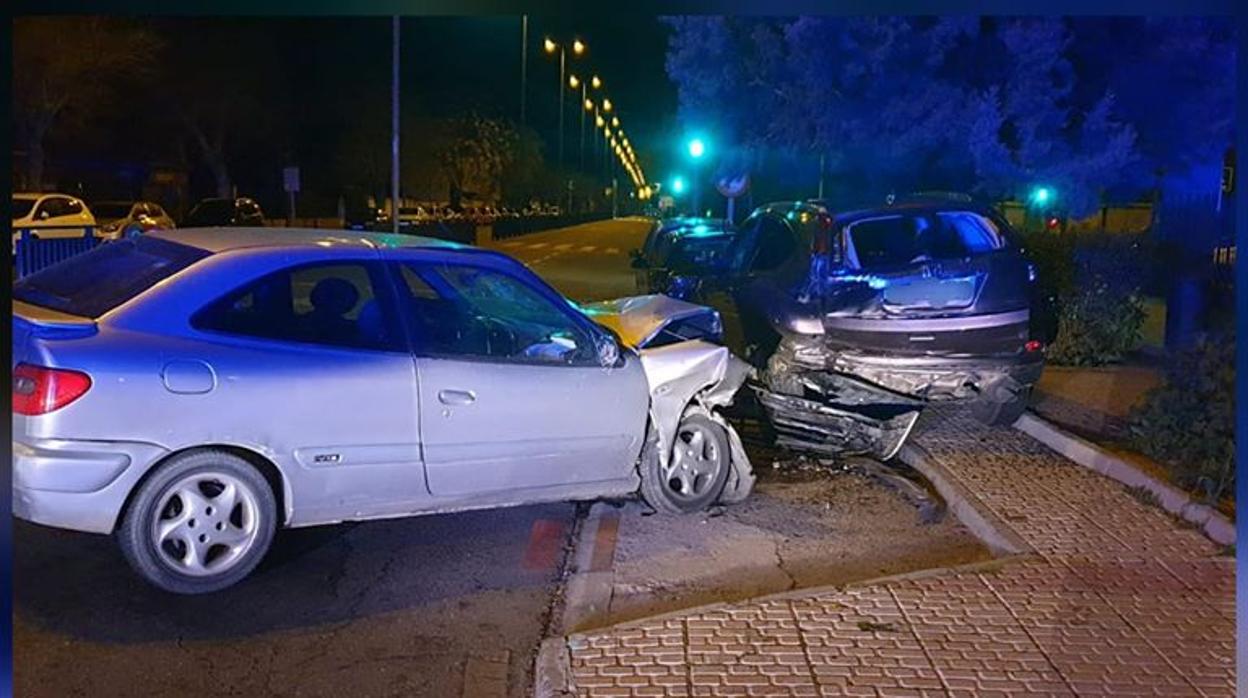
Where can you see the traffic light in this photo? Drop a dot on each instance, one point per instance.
(696, 148)
(678, 185)
(1042, 196)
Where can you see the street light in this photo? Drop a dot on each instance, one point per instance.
(578, 47)
(606, 105)
(596, 82)
(678, 185)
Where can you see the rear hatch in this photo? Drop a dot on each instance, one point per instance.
(927, 281)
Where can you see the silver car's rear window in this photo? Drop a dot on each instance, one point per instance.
(95, 282)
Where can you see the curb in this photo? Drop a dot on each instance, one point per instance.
(970, 509)
(1211, 522)
(588, 591)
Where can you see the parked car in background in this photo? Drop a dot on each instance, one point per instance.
(49, 215)
(225, 212)
(679, 251)
(861, 317)
(300, 377)
(117, 218)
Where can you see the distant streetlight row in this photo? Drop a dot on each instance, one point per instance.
(604, 118)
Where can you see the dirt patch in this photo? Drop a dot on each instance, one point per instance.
(806, 525)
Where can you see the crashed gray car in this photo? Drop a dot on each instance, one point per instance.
(859, 318)
(192, 391)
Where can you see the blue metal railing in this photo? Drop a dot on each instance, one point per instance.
(32, 251)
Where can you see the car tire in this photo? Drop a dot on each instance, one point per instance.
(1001, 414)
(199, 523)
(697, 469)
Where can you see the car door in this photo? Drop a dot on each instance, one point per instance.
(763, 263)
(512, 395)
(312, 356)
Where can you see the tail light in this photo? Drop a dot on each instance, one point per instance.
(1033, 346)
(40, 390)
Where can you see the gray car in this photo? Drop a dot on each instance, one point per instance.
(191, 391)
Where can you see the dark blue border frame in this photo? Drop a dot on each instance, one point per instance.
(754, 7)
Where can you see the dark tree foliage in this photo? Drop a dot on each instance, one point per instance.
(990, 105)
(68, 68)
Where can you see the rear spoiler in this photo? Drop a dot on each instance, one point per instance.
(51, 324)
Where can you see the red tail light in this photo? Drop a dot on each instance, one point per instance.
(1033, 345)
(40, 390)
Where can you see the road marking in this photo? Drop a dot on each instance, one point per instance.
(613, 250)
(544, 544)
(589, 248)
(513, 243)
(537, 245)
(604, 543)
(564, 247)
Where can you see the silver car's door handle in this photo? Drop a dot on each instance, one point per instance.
(456, 397)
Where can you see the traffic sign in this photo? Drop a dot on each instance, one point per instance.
(732, 187)
(290, 179)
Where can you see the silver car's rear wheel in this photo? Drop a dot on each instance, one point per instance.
(205, 523)
(199, 523)
(696, 470)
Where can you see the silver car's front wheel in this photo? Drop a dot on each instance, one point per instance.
(199, 523)
(696, 469)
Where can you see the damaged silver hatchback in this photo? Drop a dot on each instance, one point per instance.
(192, 391)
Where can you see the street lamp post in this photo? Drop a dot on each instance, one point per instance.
(588, 104)
(524, 64)
(578, 47)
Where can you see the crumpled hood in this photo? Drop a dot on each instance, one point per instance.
(639, 319)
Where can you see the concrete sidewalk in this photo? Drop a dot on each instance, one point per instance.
(1113, 598)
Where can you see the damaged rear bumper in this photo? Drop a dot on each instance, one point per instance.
(841, 401)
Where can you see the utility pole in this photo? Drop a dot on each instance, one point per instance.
(563, 55)
(820, 176)
(394, 129)
(524, 65)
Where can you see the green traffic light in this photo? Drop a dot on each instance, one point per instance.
(697, 148)
(678, 185)
(1041, 195)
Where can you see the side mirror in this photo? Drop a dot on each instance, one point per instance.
(608, 349)
(43, 215)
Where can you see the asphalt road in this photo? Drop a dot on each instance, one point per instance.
(585, 262)
(440, 606)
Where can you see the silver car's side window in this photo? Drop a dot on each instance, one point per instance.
(329, 304)
(473, 312)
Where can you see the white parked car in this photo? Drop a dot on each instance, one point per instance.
(50, 216)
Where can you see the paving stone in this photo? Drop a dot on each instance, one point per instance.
(1118, 599)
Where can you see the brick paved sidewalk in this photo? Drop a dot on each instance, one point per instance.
(1116, 599)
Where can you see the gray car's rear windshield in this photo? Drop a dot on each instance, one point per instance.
(897, 240)
(94, 283)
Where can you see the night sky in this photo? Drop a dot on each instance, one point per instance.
(453, 63)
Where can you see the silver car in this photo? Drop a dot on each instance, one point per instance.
(191, 391)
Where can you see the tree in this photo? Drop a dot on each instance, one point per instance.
(225, 100)
(901, 103)
(66, 68)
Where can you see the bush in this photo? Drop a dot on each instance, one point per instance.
(1096, 326)
(1188, 422)
(1087, 302)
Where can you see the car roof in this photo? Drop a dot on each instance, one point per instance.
(220, 239)
(849, 215)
